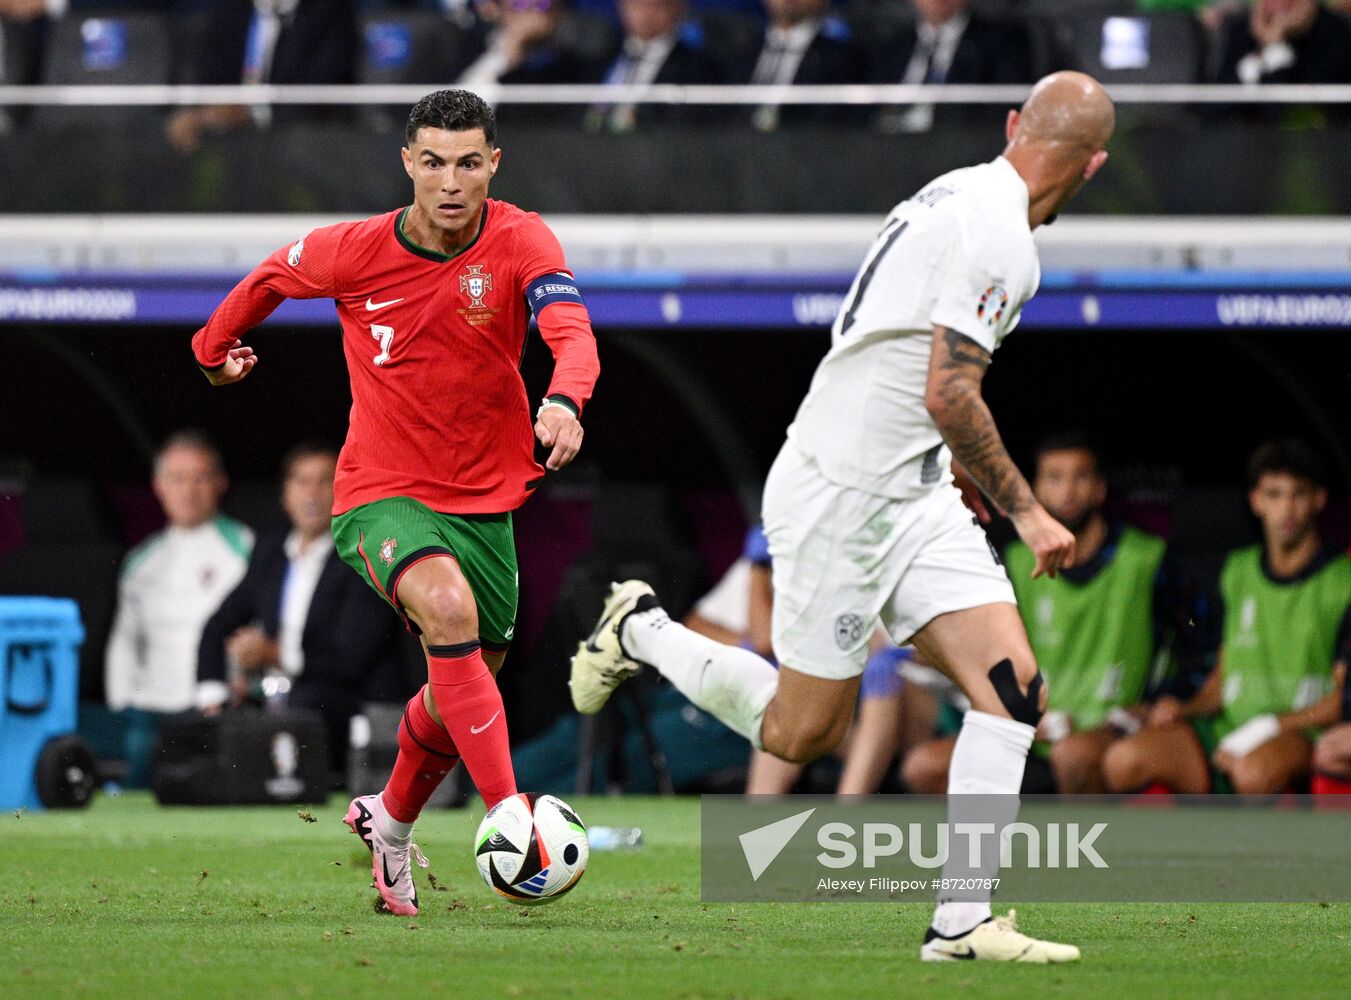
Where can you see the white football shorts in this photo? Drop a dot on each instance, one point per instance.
(843, 559)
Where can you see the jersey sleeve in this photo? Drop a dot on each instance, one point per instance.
(972, 300)
(559, 309)
(304, 270)
(756, 549)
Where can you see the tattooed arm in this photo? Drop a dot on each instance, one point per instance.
(952, 396)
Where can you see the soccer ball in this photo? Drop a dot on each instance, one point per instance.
(531, 848)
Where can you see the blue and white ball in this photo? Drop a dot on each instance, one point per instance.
(531, 848)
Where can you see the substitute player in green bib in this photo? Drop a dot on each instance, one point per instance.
(1286, 609)
(1094, 628)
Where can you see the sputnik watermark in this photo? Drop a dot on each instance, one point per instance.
(1056, 845)
(845, 845)
(1024, 848)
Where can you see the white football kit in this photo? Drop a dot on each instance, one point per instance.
(861, 513)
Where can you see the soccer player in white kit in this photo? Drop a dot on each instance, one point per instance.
(863, 518)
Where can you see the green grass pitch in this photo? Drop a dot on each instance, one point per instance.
(131, 900)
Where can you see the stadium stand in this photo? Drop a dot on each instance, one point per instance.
(121, 48)
(414, 46)
(740, 302)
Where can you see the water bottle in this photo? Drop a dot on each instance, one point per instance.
(614, 838)
(276, 688)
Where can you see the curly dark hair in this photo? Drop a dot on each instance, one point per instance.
(1073, 439)
(454, 111)
(1286, 455)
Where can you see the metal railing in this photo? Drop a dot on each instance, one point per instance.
(701, 95)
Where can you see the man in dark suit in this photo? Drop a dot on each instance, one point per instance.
(301, 620)
(949, 44)
(803, 45)
(525, 48)
(1285, 41)
(266, 41)
(660, 46)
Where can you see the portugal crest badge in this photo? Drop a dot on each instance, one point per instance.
(476, 284)
(387, 548)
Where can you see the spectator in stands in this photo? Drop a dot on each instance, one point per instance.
(21, 31)
(1094, 627)
(299, 620)
(267, 41)
(660, 46)
(24, 30)
(1285, 41)
(524, 48)
(171, 583)
(1287, 611)
(803, 44)
(949, 44)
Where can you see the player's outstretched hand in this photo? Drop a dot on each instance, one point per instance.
(238, 363)
(558, 429)
(1050, 541)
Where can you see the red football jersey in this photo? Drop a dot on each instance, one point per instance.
(433, 346)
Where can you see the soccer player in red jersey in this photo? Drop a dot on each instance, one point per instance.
(434, 302)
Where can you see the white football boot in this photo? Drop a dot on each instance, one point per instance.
(600, 664)
(995, 940)
(391, 861)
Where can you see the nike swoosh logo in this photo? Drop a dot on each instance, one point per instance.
(478, 729)
(363, 825)
(371, 306)
(389, 882)
(591, 646)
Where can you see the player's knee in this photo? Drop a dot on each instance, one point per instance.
(446, 613)
(1121, 766)
(1073, 764)
(1021, 690)
(1251, 775)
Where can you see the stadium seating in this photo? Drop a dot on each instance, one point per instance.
(414, 46)
(116, 48)
(1138, 48)
(592, 36)
(733, 39)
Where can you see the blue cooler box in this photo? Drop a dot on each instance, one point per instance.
(40, 641)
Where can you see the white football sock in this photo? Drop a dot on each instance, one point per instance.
(989, 759)
(389, 827)
(729, 683)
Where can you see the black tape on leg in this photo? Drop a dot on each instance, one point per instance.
(1025, 708)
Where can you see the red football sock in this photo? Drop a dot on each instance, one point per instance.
(470, 705)
(426, 755)
(1326, 784)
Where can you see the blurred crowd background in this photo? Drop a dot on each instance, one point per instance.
(190, 526)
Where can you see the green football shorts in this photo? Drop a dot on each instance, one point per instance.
(383, 539)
